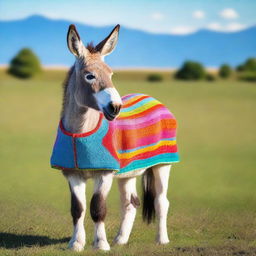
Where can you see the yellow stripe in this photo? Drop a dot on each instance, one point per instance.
(140, 109)
(146, 149)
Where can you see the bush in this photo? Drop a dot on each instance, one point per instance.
(210, 77)
(154, 77)
(191, 71)
(240, 68)
(249, 65)
(248, 76)
(225, 71)
(25, 64)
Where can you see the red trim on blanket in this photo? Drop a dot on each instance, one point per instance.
(76, 135)
(74, 151)
(108, 141)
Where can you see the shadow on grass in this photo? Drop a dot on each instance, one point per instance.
(12, 241)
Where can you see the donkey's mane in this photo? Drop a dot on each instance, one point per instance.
(91, 47)
(65, 87)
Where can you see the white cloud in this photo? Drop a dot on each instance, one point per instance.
(230, 27)
(228, 13)
(182, 30)
(198, 14)
(235, 26)
(214, 26)
(157, 16)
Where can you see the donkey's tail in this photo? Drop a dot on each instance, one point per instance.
(148, 187)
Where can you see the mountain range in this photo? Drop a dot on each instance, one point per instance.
(47, 38)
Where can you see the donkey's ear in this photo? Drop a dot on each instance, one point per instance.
(106, 46)
(75, 44)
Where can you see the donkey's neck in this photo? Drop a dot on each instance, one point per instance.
(80, 120)
(76, 118)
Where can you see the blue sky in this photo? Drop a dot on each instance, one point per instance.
(158, 16)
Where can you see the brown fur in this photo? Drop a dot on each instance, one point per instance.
(135, 201)
(76, 208)
(91, 48)
(98, 208)
(65, 87)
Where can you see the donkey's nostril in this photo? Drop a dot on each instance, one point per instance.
(114, 108)
(111, 107)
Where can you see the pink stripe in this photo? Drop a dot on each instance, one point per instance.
(129, 95)
(143, 124)
(165, 134)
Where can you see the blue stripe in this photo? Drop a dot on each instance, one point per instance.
(134, 149)
(137, 105)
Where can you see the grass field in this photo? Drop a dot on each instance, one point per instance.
(212, 189)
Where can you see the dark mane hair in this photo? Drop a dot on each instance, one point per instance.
(91, 48)
(65, 87)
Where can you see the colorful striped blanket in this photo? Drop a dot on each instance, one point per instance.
(143, 135)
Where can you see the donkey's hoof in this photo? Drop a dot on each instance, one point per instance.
(75, 246)
(120, 240)
(102, 245)
(163, 240)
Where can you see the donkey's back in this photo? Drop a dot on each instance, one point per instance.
(144, 133)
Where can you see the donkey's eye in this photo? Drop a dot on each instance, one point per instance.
(90, 77)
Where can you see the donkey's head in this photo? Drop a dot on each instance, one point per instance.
(93, 84)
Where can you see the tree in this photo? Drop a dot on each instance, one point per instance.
(225, 71)
(25, 64)
(247, 70)
(249, 65)
(210, 77)
(154, 77)
(191, 71)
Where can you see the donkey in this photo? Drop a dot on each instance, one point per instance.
(94, 142)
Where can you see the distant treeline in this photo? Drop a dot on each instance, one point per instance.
(192, 70)
(26, 64)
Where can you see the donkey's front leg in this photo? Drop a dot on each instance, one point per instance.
(78, 207)
(98, 209)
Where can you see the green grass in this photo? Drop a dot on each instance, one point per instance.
(212, 189)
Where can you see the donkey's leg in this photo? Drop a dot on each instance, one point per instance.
(129, 203)
(78, 207)
(161, 175)
(98, 209)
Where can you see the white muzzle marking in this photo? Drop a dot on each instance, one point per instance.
(107, 96)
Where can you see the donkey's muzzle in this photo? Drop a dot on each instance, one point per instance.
(112, 110)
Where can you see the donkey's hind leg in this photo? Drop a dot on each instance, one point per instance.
(161, 177)
(98, 209)
(129, 203)
(78, 207)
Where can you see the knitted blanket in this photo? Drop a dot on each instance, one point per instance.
(143, 135)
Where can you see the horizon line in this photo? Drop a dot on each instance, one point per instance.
(128, 27)
(139, 69)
